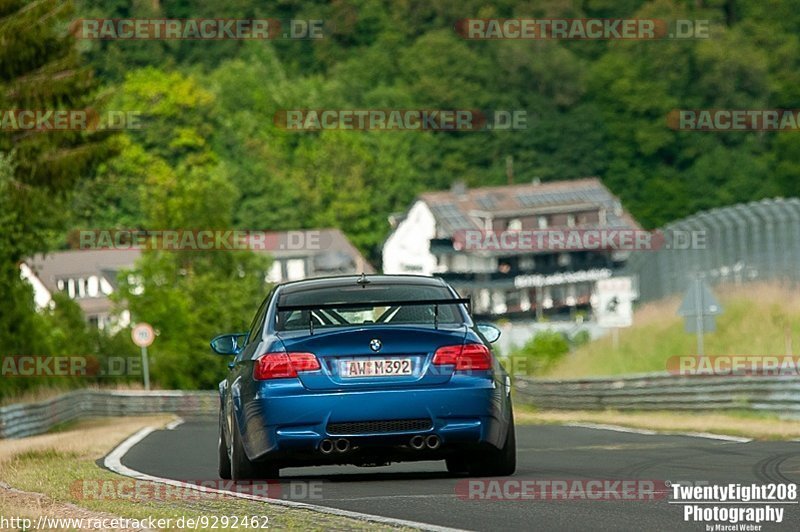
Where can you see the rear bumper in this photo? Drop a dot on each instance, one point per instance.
(286, 421)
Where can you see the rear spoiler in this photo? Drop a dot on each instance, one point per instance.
(362, 304)
(407, 303)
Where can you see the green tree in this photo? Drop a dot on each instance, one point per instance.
(40, 69)
(188, 296)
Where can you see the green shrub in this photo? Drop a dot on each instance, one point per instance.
(580, 338)
(540, 353)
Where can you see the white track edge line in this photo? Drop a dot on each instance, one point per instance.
(620, 428)
(172, 425)
(615, 428)
(113, 461)
(713, 436)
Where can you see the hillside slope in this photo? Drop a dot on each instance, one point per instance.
(758, 319)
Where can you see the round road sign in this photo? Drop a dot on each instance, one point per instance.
(143, 334)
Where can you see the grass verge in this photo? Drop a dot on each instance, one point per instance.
(39, 475)
(745, 424)
(758, 319)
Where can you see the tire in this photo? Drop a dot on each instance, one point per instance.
(268, 472)
(500, 462)
(457, 465)
(224, 459)
(241, 466)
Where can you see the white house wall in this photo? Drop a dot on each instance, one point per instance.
(407, 250)
(41, 295)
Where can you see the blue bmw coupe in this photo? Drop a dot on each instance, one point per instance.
(364, 370)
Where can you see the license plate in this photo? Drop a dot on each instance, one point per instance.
(375, 367)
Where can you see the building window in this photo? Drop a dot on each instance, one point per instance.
(105, 286)
(93, 286)
(570, 220)
(513, 301)
(295, 269)
(558, 296)
(542, 220)
(274, 273)
(460, 263)
(547, 299)
(571, 299)
(583, 293)
(515, 224)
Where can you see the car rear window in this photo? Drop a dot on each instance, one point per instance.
(373, 311)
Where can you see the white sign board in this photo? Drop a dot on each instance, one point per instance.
(143, 335)
(613, 304)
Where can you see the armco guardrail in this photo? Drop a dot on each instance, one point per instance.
(651, 391)
(17, 421)
(664, 391)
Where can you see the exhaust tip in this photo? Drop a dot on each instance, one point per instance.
(433, 441)
(417, 442)
(342, 445)
(326, 446)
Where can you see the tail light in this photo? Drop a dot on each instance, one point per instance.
(284, 365)
(464, 357)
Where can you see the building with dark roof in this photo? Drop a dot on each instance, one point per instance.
(310, 253)
(90, 276)
(475, 239)
(86, 276)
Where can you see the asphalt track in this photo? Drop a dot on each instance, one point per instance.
(424, 492)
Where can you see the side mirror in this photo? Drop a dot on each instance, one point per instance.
(228, 344)
(489, 331)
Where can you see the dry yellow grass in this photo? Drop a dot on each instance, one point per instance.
(27, 505)
(758, 319)
(91, 438)
(36, 475)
